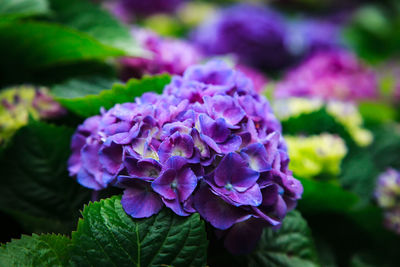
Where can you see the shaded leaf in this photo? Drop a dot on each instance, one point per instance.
(90, 18)
(80, 87)
(290, 246)
(90, 105)
(36, 250)
(34, 184)
(10, 9)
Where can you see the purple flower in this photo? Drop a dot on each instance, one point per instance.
(259, 80)
(167, 56)
(139, 191)
(177, 181)
(208, 144)
(392, 220)
(47, 107)
(256, 35)
(311, 35)
(334, 74)
(387, 191)
(126, 10)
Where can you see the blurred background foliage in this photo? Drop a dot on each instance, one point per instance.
(72, 49)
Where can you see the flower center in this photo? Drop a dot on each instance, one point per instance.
(229, 186)
(174, 185)
(178, 152)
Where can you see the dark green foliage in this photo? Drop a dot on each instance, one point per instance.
(35, 187)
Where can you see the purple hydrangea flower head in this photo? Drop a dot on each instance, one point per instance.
(259, 80)
(387, 192)
(208, 144)
(330, 75)
(167, 55)
(255, 34)
(127, 10)
(311, 35)
(392, 220)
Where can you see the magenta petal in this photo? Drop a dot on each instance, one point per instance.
(213, 209)
(140, 202)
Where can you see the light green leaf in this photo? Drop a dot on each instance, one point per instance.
(107, 236)
(34, 182)
(90, 105)
(35, 250)
(10, 9)
(35, 45)
(290, 246)
(90, 18)
(80, 87)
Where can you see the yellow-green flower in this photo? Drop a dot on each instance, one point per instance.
(315, 155)
(17, 104)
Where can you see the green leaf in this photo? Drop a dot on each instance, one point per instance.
(10, 9)
(375, 112)
(361, 167)
(34, 182)
(291, 245)
(327, 198)
(90, 18)
(107, 236)
(316, 122)
(35, 250)
(35, 45)
(90, 105)
(80, 87)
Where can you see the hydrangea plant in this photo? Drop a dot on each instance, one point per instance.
(330, 75)
(208, 144)
(316, 155)
(18, 103)
(387, 194)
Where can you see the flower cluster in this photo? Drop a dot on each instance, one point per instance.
(387, 194)
(334, 74)
(316, 155)
(208, 144)
(255, 34)
(345, 113)
(307, 36)
(127, 10)
(17, 104)
(167, 55)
